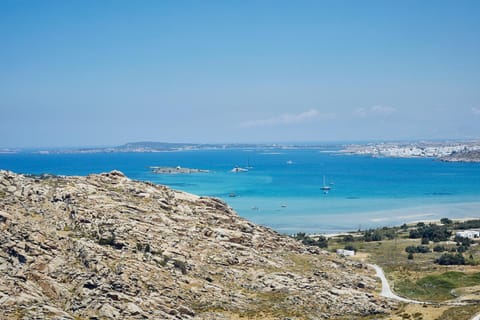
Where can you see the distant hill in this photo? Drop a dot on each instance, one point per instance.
(168, 146)
(463, 156)
(152, 146)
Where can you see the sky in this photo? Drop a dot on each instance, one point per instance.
(96, 73)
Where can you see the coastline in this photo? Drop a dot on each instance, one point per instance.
(322, 224)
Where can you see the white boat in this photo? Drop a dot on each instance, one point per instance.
(325, 187)
(249, 166)
(239, 169)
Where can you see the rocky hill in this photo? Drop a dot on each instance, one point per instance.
(107, 247)
(463, 156)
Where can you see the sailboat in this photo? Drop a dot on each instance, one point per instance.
(237, 169)
(325, 187)
(249, 166)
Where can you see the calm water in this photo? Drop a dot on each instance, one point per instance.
(282, 190)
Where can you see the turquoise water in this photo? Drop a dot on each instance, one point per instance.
(282, 190)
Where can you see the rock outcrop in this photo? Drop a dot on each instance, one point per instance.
(107, 247)
(463, 156)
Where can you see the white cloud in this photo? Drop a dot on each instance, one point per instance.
(476, 111)
(286, 119)
(375, 111)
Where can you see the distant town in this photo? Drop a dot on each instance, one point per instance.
(444, 151)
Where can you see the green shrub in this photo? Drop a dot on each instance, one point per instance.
(451, 259)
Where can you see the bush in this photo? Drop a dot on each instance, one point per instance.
(462, 249)
(439, 248)
(431, 232)
(372, 235)
(425, 241)
(411, 249)
(348, 238)
(410, 256)
(451, 259)
(461, 241)
(321, 242)
(470, 224)
(423, 249)
(446, 221)
(417, 249)
(350, 247)
(143, 247)
(299, 236)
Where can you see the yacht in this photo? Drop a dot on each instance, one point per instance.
(238, 169)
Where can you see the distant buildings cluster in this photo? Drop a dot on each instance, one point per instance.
(470, 234)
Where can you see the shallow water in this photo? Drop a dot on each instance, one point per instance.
(282, 189)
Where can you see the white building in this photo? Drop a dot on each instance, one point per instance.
(471, 234)
(345, 253)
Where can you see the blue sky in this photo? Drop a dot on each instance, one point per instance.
(86, 73)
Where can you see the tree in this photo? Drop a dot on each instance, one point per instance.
(373, 235)
(462, 241)
(446, 221)
(410, 256)
(321, 242)
(431, 232)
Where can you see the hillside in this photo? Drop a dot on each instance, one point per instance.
(463, 156)
(107, 247)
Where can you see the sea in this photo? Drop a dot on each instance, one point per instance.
(282, 188)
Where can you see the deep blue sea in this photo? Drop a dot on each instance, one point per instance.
(282, 188)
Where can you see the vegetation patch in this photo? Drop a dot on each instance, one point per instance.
(460, 313)
(436, 287)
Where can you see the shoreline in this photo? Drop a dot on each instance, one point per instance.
(327, 225)
(410, 223)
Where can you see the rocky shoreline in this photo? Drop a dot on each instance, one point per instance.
(107, 247)
(463, 156)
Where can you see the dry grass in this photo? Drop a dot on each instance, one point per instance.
(408, 276)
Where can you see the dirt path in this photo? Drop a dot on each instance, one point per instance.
(386, 291)
(476, 317)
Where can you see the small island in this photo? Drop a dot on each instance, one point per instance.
(176, 170)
